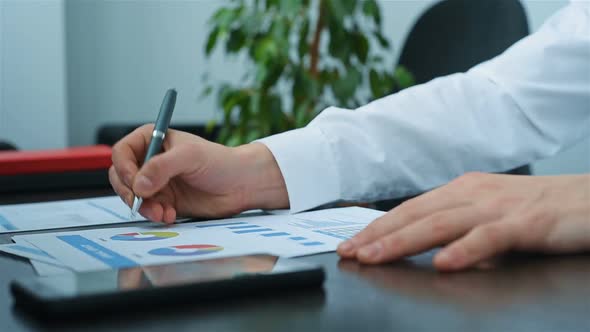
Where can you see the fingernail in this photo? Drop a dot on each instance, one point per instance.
(128, 180)
(130, 199)
(142, 183)
(444, 258)
(372, 251)
(345, 246)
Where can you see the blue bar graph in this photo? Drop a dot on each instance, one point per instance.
(221, 224)
(332, 234)
(255, 230)
(298, 238)
(242, 227)
(275, 234)
(315, 243)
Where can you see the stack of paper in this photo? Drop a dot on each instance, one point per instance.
(70, 213)
(283, 235)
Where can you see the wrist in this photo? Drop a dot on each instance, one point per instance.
(264, 186)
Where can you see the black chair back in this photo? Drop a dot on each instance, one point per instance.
(455, 35)
(5, 146)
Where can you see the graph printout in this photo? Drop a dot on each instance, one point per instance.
(282, 235)
(60, 214)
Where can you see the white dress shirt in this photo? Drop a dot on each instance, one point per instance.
(528, 103)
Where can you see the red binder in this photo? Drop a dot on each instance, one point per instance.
(78, 159)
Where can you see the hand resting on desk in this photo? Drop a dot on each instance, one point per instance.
(478, 216)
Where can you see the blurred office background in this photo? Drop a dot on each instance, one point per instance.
(70, 66)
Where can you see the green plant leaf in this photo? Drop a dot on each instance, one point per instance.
(339, 45)
(236, 41)
(289, 7)
(261, 72)
(271, 4)
(303, 45)
(234, 139)
(224, 17)
(376, 59)
(344, 89)
(304, 86)
(252, 135)
(403, 77)
(302, 117)
(335, 10)
(206, 91)
(382, 40)
(371, 9)
(252, 23)
(265, 49)
(279, 29)
(274, 72)
(211, 41)
(341, 8)
(210, 126)
(361, 48)
(375, 83)
(223, 134)
(348, 5)
(275, 115)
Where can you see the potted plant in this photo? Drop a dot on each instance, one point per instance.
(302, 57)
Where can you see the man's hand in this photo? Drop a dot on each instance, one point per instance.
(478, 216)
(195, 177)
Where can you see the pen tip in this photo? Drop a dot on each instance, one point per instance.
(135, 207)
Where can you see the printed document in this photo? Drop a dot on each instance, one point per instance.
(59, 214)
(283, 235)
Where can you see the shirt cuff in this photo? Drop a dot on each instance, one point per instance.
(308, 167)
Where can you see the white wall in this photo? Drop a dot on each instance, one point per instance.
(32, 74)
(122, 56)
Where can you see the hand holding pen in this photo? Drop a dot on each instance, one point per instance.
(193, 177)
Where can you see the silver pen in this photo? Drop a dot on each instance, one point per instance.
(158, 136)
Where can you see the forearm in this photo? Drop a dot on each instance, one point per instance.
(263, 186)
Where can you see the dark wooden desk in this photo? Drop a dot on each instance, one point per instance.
(520, 294)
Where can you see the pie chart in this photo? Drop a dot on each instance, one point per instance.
(186, 250)
(144, 236)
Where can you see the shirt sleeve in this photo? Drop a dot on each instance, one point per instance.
(528, 103)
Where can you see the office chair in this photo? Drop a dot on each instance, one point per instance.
(454, 35)
(5, 146)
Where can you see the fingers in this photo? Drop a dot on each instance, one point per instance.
(152, 210)
(128, 153)
(408, 212)
(479, 244)
(120, 188)
(379, 227)
(158, 210)
(158, 171)
(432, 231)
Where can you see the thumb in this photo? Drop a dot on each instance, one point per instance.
(158, 171)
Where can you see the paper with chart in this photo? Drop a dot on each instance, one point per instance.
(42, 262)
(28, 251)
(59, 214)
(282, 235)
